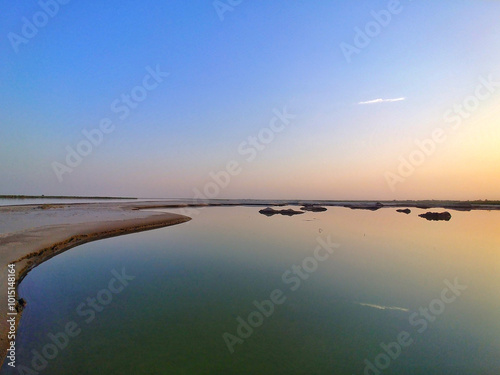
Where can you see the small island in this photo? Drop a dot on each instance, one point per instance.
(436, 216)
(286, 212)
(313, 208)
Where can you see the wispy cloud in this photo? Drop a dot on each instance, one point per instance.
(381, 307)
(383, 101)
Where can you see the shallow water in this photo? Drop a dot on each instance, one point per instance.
(192, 282)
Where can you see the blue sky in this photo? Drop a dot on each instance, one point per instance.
(225, 79)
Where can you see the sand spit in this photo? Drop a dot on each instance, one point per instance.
(34, 234)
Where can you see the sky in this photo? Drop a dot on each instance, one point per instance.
(251, 99)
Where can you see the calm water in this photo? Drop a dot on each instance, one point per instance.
(193, 281)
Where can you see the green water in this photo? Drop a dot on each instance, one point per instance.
(193, 282)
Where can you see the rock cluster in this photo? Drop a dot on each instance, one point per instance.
(287, 212)
(313, 208)
(436, 216)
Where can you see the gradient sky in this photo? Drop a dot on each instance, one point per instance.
(226, 80)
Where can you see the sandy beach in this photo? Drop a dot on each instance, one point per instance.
(32, 234)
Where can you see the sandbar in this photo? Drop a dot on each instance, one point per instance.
(32, 234)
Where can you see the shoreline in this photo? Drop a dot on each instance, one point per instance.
(29, 248)
(36, 233)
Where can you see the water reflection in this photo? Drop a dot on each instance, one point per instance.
(194, 281)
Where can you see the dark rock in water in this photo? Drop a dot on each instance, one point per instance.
(405, 211)
(271, 211)
(436, 216)
(268, 211)
(290, 212)
(312, 208)
(21, 304)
